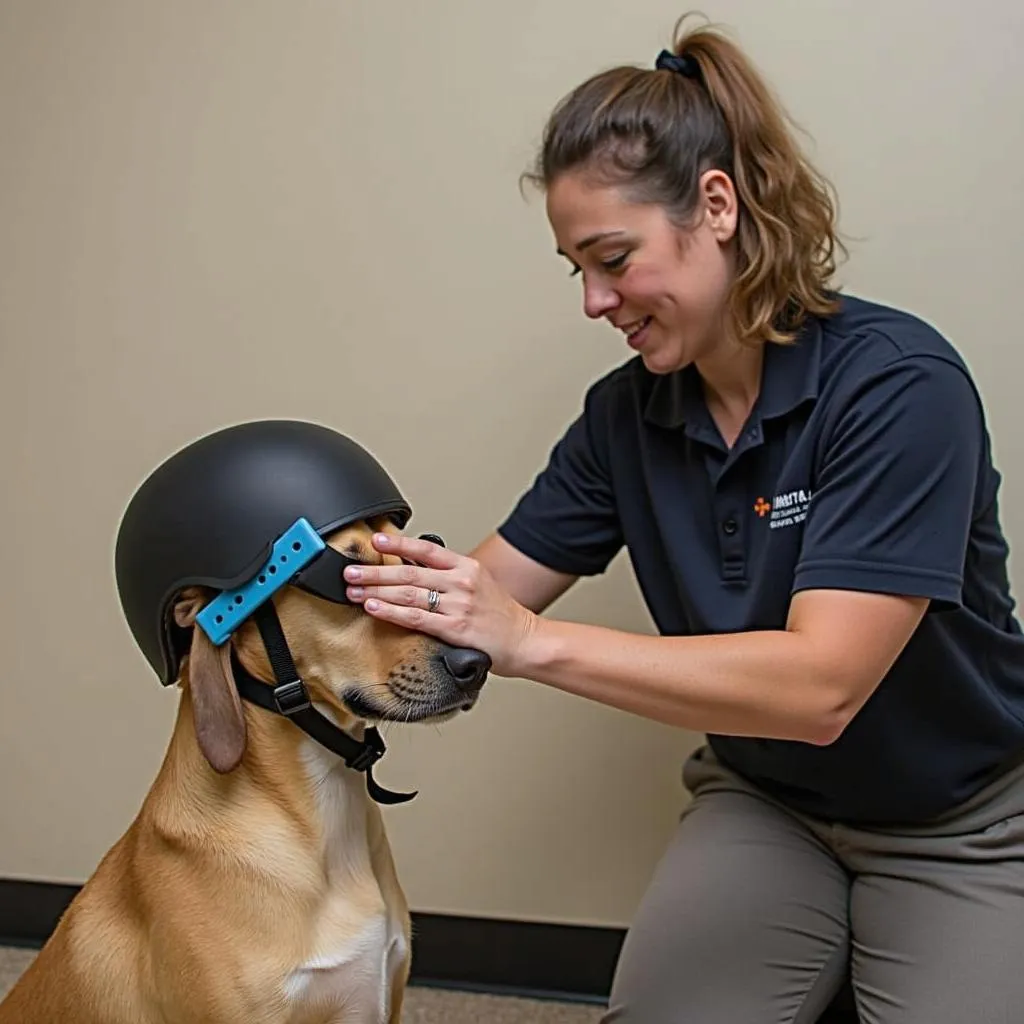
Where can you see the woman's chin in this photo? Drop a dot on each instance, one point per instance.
(663, 362)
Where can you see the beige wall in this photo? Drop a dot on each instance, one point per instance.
(214, 210)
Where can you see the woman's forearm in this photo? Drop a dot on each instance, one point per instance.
(804, 682)
(768, 683)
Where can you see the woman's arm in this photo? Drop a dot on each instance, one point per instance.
(904, 470)
(533, 585)
(804, 682)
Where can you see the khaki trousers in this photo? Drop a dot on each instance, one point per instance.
(755, 914)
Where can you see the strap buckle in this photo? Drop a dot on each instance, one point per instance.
(371, 751)
(292, 697)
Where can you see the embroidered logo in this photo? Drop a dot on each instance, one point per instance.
(787, 509)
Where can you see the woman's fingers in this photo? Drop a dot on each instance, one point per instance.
(417, 619)
(436, 569)
(396, 576)
(408, 596)
(416, 550)
(470, 609)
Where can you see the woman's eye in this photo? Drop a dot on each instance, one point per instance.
(613, 264)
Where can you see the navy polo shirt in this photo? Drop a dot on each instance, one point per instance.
(865, 465)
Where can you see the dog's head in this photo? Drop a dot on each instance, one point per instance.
(359, 667)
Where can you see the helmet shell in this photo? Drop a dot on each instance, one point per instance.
(210, 514)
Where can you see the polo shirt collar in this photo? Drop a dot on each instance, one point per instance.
(790, 376)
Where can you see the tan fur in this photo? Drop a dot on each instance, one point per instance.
(256, 884)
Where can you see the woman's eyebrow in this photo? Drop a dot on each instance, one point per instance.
(591, 240)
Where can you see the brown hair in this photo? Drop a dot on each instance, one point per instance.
(655, 132)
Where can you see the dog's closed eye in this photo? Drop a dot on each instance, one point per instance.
(363, 554)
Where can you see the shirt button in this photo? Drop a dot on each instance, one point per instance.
(729, 527)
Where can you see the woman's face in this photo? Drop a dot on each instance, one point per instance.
(665, 287)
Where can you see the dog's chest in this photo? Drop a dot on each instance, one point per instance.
(353, 979)
(358, 944)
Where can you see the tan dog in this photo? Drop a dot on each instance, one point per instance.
(266, 893)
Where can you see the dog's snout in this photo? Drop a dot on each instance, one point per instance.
(469, 668)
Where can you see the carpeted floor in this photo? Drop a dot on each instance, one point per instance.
(423, 1005)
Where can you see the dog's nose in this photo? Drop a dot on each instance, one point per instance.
(469, 668)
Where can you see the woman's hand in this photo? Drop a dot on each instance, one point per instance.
(470, 610)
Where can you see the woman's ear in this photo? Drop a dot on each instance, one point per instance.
(721, 204)
(216, 706)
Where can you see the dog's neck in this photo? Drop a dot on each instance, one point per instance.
(288, 794)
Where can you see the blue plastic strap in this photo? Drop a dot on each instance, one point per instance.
(292, 551)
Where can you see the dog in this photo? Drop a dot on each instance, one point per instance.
(262, 891)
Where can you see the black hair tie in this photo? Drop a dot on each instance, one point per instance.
(682, 64)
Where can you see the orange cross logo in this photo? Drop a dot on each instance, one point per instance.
(762, 507)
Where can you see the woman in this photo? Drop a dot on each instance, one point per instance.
(804, 484)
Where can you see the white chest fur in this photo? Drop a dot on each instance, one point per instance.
(353, 980)
(357, 942)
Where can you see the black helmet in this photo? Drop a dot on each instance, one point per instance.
(244, 511)
(211, 513)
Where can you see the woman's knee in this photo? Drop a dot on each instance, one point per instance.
(745, 919)
(659, 983)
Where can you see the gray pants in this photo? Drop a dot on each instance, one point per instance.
(755, 914)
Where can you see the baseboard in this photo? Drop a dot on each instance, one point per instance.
(532, 958)
(29, 911)
(526, 958)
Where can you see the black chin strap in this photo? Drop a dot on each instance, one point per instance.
(291, 699)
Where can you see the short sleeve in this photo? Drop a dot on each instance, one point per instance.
(568, 519)
(894, 494)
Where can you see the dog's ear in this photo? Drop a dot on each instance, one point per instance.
(216, 706)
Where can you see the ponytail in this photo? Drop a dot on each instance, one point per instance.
(656, 131)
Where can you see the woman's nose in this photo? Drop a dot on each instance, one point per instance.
(598, 300)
